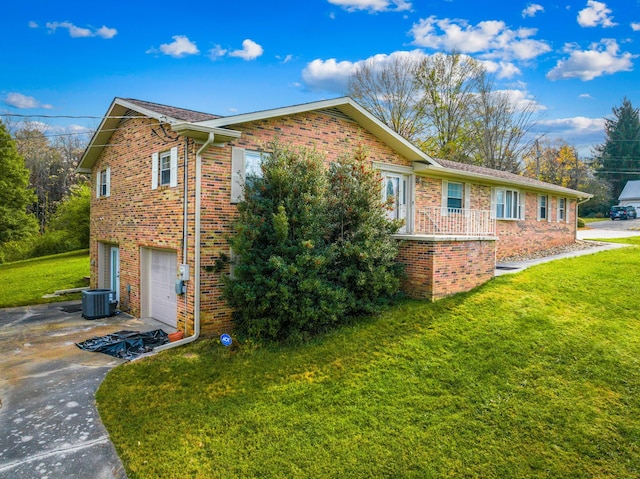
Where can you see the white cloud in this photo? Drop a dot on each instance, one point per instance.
(250, 50)
(80, 32)
(635, 26)
(328, 75)
(586, 96)
(332, 76)
(595, 13)
(286, 59)
(531, 10)
(502, 70)
(106, 32)
(581, 131)
(602, 59)
(373, 5)
(490, 39)
(180, 47)
(521, 99)
(18, 100)
(33, 24)
(217, 52)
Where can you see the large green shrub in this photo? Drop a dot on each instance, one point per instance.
(311, 246)
(363, 252)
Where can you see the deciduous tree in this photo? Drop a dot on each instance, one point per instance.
(15, 194)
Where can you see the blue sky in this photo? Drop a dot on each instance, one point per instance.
(574, 60)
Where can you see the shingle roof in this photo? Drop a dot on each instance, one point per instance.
(173, 112)
(631, 191)
(505, 175)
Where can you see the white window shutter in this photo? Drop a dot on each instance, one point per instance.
(467, 196)
(108, 188)
(445, 196)
(522, 204)
(173, 181)
(492, 213)
(237, 174)
(154, 171)
(98, 184)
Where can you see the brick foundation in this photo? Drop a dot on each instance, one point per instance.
(440, 267)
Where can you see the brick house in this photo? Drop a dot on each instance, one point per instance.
(167, 181)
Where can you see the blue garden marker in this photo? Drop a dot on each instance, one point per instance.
(226, 340)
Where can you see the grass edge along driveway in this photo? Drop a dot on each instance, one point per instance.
(535, 374)
(25, 282)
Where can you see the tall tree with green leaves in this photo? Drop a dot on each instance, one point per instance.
(15, 194)
(555, 162)
(449, 84)
(618, 158)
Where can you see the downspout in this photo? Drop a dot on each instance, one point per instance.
(196, 266)
(578, 203)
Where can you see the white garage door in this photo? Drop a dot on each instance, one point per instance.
(163, 305)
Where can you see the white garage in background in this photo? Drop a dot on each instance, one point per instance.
(158, 277)
(630, 195)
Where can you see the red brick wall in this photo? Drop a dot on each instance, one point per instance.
(134, 216)
(435, 269)
(530, 235)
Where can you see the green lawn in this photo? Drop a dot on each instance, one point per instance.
(25, 282)
(593, 220)
(535, 374)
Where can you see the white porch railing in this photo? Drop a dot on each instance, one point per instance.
(455, 221)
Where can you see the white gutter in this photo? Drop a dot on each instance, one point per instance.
(196, 266)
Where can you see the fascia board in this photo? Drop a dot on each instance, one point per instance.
(201, 132)
(347, 106)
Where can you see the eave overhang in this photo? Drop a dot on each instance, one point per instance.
(344, 105)
(438, 171)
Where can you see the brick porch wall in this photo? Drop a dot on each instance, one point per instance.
(440, 267)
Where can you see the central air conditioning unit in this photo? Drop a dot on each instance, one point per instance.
(98, 303)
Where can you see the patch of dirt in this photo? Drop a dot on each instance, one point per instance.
(577, 246)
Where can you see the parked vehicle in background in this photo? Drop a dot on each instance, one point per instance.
(623, 212)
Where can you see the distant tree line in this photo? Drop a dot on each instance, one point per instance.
(44, 204)
(449, 106)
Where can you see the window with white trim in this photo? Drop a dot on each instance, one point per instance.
(454, 195)
(103, 182)
(246, 167)
(562, 209)
(509, 204)
(164, 168)
(543, 207)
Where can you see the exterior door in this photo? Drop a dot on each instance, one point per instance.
(114, 264)
(163, 298)
(395, 193)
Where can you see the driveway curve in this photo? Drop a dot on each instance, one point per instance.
(48, 417)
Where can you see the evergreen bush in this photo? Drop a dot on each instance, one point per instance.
(312, 246)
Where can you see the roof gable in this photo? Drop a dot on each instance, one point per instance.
(121, 108)
(343, 107)
(631, 191)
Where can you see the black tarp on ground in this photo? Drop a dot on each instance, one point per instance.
(125, 344)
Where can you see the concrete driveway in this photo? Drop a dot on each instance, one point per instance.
(610, 229)
(49, 423)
